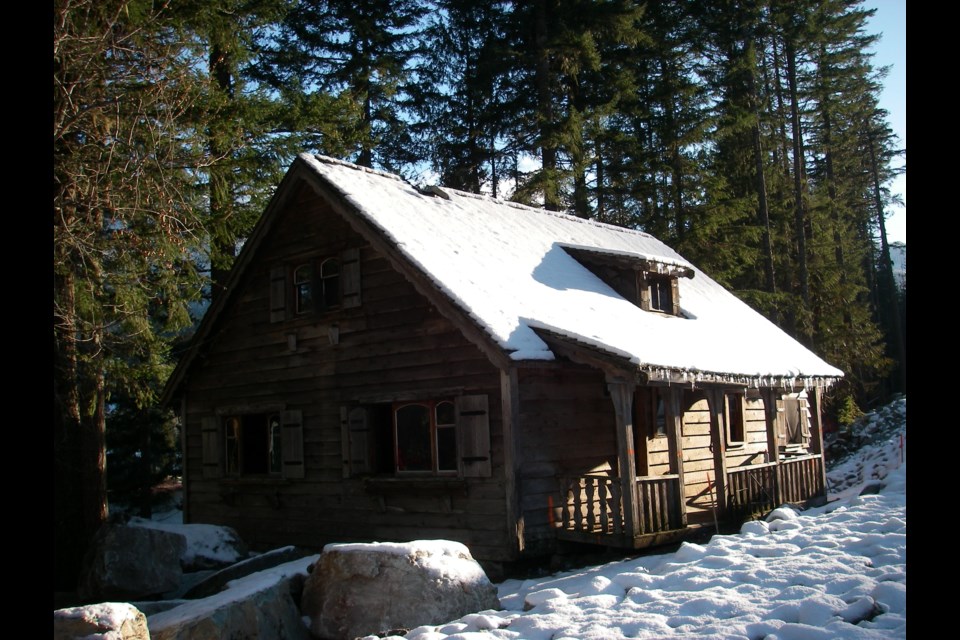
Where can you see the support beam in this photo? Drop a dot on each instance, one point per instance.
(773, 443)
(510, 416)
(673, 414)
(816, 432)
(621, 392)
(718, 443)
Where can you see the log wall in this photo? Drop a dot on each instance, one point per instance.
(394, 345)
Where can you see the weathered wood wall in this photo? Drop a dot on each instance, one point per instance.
(567, 428)
(394, 345)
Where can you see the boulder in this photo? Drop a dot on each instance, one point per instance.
(359, 589)
(104, 621)
(128, 563)
(209, 546)
(214, 583)
(261, 605)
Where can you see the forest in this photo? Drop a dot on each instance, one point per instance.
(746, 134)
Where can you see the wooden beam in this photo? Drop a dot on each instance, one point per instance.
(621, 393)
(673, 413)
(816, 432)
(719, 446)
(773, 444)
(510, 418)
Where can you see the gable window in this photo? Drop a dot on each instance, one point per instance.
(436, 437)
(658, 292)
(315, 285)
(303, 288)
(253, 444)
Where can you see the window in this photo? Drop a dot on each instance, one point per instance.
(316, 285)
(658, 292)
(734, 419)
(253, 444)
(438, 437)
(795, 421)
(426, 437)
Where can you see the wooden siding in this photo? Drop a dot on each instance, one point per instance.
(394, 345)
(567, 428)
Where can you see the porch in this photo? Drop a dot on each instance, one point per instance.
(592, 508)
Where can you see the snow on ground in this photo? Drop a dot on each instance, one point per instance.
(838, 571)
(869, 450)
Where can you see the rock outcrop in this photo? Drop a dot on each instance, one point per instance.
(360, 589)
(106, 621)
(130, 563)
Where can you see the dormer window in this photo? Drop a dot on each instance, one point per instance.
(650, 283)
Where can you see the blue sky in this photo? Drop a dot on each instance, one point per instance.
(891, 21)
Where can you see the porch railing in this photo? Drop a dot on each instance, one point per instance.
(593, 504)
(756, 489)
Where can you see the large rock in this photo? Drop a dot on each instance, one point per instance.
(129, 563)
(105, 621)
(261, 605)
(216, 582)
(209, 546)
(360, 589)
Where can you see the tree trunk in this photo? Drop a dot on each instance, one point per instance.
(800, 213)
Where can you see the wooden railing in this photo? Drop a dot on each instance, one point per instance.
(751, 490)
(801, 478)
(593, 504)
(756, 489)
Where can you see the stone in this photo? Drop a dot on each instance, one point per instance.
(104, 621)
(261, 605)
(360, 589)
(216, 582)
(129, 563)
(209, 546)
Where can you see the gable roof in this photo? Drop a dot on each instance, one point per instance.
(511, 269)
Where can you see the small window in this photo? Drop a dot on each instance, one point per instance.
(661, 293)
(426, 437)
(657, 418)
(252, 445)
(330, 282)
(734, 418)
(303, 288)
(796, 420)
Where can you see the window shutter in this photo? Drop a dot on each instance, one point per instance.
(359, 441)
(210, 433)
(644, 287)
(278, 293)
(675, 295)
(473, 423)
(345, 440)
(291, 423)
(350, 278)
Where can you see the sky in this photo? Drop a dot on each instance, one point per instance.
(837, 571)
(891, 21)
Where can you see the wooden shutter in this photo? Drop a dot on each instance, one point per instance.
(291, 424)
(350, 278)
(675, 295)
(278, 294)
(473, 434)
(355, 440)
(210, 434)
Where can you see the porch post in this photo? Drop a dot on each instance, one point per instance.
(719, 446)
(816, 441)
(674, 415)
(621, 392)
(773, 444)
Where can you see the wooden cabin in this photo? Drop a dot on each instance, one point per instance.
(389, 363)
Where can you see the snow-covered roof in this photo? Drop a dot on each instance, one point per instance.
(510, 268)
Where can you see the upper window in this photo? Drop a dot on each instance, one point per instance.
(659, 291)
(303, 288)
(315, 285)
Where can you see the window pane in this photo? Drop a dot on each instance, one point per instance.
(303, 288)
(413, 438)
(253, 434)
(330, 279)
(447, 448)
(446, 414)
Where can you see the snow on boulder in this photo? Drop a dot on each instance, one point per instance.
(358, 589)
(208, 546)
(129, 563)
(260, 605)
(104, 621)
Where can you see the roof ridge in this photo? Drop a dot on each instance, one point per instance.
(317, 157)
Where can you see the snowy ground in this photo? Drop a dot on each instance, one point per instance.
(838, 571)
